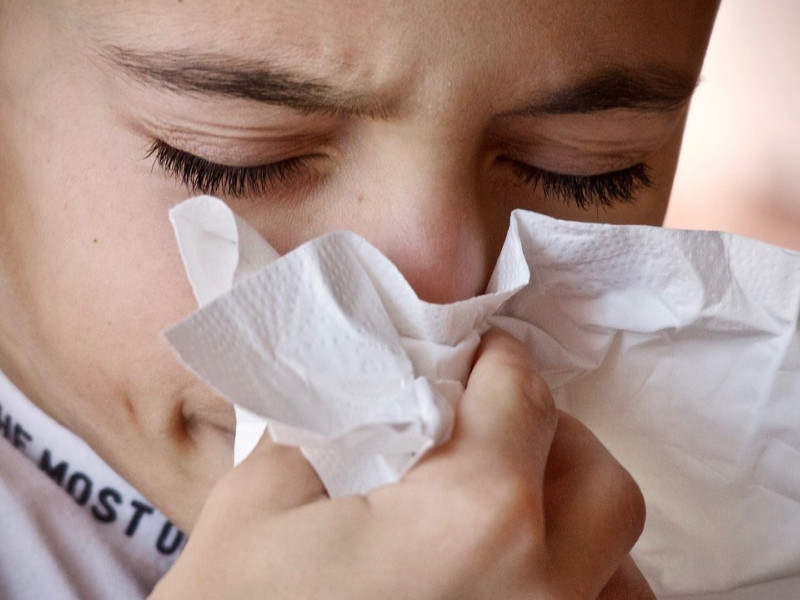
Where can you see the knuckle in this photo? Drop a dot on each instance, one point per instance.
(630, 511)
(514, 502)
(505, 514)
(531, 389)
(545, 405)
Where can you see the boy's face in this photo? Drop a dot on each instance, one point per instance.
(417, 124)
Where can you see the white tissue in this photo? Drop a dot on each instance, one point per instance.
(329, 345)
(680, 350)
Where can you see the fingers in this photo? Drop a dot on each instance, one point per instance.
(586, 506)
(521, 503)
(272, 479)
(627, 583)
(595, 511)
(506, 418)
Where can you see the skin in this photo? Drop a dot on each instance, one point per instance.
(421, 164)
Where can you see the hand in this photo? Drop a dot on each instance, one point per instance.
(521, 503)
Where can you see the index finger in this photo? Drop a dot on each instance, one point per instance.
(506, 419)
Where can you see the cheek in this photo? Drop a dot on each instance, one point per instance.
(115, 276)
(98, 273)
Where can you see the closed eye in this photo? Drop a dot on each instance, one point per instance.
(201, 175)
(603, 189)
(204, 176)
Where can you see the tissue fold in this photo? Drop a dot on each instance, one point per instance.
(680, 350)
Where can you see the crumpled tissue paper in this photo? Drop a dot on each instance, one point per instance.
(329, 346)
(679, 349)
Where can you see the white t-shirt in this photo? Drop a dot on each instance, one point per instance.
(71, 526)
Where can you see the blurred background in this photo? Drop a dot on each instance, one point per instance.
(740, 165)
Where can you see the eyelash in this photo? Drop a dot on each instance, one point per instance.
(201, 175)
(604, 189)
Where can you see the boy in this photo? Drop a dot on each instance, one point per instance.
(419, 125)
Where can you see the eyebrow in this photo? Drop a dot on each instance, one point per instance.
(650, 88)
(656, 88)
(231, 77)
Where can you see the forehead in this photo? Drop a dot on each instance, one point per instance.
(387, 42)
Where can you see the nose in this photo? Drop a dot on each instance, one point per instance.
(425, 206)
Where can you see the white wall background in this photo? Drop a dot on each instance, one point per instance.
(740, 166)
